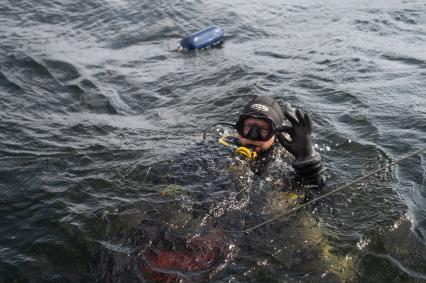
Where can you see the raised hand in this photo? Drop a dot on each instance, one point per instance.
(300, 131)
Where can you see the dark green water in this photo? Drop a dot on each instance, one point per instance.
(99, 117)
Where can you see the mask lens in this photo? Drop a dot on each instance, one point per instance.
(254, 131)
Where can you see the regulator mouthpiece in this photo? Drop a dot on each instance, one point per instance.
(246, 152)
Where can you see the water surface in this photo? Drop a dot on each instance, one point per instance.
(99, 115)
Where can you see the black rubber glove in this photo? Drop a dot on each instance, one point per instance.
(307, 162)
(300, 131)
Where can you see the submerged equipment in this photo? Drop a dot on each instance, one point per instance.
(207, 37)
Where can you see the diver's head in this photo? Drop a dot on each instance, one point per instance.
(258, 123)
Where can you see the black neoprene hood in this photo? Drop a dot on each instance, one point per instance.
(264, 107)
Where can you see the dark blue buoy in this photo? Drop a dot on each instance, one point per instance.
(207, 37)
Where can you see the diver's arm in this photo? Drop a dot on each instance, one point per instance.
(307, 164)
(310, 172)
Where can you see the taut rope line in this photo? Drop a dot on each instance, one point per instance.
(329, 193)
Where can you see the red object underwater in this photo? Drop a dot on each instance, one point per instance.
(201, 257)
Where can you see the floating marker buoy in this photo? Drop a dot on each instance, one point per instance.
(207, 37)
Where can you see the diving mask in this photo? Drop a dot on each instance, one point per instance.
(256, 128)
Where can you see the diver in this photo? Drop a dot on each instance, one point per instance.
(264, 138)
(278, 170)
(286, 171)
